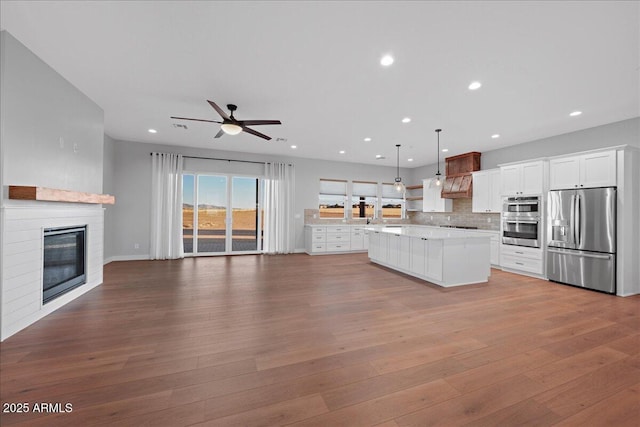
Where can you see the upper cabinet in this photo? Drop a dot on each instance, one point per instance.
(522, 179)
(583, 171)
(486, 192)
(432, 200)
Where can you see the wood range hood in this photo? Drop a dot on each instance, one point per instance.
(459, 183)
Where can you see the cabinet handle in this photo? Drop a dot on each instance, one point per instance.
(521, 253)
(519, 263)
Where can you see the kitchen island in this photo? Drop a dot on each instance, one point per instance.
(443, 257)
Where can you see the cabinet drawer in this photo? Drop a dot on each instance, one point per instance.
(337, 229)
(521, 252)
(338, 237)
(318, 247)
(338, 246)
(520, 263)
(319, 237)
(316, 230)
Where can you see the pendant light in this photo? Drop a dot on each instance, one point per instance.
(399, 185)
(438, 175)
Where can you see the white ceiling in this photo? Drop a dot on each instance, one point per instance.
(315, 66)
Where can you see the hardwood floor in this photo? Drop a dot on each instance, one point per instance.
(324, 341)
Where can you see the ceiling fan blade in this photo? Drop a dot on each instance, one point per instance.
(256, 133)
(219, 110)
(259, 122)
(195, 120)
(219, 134)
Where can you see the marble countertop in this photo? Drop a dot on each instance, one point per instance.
(429, 232)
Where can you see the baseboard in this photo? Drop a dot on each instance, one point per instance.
(143, 257)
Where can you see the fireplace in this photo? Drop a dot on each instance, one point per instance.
(64, 261)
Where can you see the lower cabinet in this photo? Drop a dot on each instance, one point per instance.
(335, 239)
(529, 260)
(444, 261)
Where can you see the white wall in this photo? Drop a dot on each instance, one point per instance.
(132, 187)
(38, 109)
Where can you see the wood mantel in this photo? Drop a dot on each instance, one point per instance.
(19, 192)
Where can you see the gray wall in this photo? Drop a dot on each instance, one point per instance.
(108, 187)
(132, 187)
(39, 108)
(618, 133)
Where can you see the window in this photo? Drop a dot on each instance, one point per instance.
(364, 199)
(332, 197)
(392, 202)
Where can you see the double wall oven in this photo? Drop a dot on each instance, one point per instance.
(521, 221)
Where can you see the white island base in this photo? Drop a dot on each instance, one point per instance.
(445, 258)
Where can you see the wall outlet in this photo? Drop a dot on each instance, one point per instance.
(431, 218)
(448, 217)
(315, 216)
(489, 220)
(75, 148)
(136, 246)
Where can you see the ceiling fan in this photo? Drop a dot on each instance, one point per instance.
(232, 126)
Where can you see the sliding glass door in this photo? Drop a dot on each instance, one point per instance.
(221, 214)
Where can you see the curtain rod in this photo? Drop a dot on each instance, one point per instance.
(225, 160)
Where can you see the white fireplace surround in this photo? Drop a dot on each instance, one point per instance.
(22, 252)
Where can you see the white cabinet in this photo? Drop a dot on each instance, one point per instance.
(432, 200)
(334, 239)
(522, 179)
(486, 192)
(418, 260)
(494, 247)
(405, 252)
(434, 259)
(359, 239)
(584, 171)
(527, 260)
(393, 248)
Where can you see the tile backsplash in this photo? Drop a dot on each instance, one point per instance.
(461, 216)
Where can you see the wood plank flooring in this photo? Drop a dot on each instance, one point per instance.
(324, 341)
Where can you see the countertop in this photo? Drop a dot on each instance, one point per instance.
(429, 232)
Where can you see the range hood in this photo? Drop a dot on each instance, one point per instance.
(459, 184)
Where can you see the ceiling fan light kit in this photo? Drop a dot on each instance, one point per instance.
(230, 125)
(230, 128)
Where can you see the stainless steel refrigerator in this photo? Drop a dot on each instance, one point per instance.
(582, 238)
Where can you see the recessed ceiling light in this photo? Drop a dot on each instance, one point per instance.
(475, 85)
(367, 139)
(378, 156)
(153, 131)
(495, 135)
(294, 146)
(409, 160)
(575, 113)
(341, 151)
(386, 60)
(406, 120)
(444, 150)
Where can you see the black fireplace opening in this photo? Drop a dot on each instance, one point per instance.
(64, 261)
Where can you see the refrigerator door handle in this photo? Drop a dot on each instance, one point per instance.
(573, 219)
(586, 255)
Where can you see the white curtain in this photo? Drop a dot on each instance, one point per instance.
(279, 230)
(166, 206)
